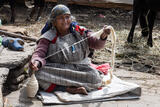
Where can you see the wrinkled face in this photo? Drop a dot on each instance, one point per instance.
(63, 22)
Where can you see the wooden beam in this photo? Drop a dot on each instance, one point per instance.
(101, 5)
(14, 35)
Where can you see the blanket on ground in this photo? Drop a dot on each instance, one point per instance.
(117, 90)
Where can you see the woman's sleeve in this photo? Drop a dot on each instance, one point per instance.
(95, 43)
(41, 51)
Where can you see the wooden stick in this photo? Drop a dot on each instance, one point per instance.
(102, 5)
(14, 35)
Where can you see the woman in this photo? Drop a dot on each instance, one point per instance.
(61, 60)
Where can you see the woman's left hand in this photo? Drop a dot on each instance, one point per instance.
(105, 33)
(34, 65)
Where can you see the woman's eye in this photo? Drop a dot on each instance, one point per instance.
(67, 17)
(63, 17)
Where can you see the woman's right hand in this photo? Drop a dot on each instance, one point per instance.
(106, 32)
(34, 65)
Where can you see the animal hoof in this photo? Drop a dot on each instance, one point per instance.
(149, 44)
(144, 34)
(12, 20)
(129, 40)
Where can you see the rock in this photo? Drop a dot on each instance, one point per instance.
(13, 59)
(19, 79)
(3, 73)
(157, 71)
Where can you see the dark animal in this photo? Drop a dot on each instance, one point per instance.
(12, 5)
(38, 5)
(145, 11)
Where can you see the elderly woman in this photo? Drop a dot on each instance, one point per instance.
(61, 60)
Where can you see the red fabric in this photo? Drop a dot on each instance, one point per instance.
(51, 88)
(80, 30)
(99, 88)
(54, 39)
(103, 68)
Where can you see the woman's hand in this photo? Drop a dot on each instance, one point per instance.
(105, 33)
(34, 65)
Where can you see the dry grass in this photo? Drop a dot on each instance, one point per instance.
(136, 56)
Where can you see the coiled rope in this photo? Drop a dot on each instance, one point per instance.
(113, 40)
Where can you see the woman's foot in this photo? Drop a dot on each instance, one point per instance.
(75, 90)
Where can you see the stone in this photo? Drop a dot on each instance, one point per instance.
(3, 74)
(13, 59)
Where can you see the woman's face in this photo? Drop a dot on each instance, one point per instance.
(63, 22)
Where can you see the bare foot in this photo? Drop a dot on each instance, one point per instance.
(75, 90)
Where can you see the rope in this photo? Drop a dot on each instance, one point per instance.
(96, 34)
(146, 17)
(113, 40)
(66, 48)
(145, 29)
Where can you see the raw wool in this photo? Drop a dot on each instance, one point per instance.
(98, 33)
(113, 40)
(32, 86)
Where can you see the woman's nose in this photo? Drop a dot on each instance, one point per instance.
(65, 20)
